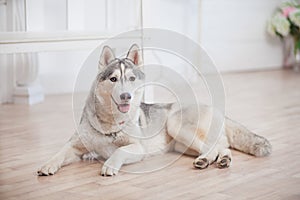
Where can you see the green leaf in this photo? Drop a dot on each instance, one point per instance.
(297, 46)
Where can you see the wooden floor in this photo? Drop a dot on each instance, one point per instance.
(266, 102)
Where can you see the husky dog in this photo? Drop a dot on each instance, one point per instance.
(114, 116)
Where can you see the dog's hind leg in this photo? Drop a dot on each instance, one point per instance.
(71, 152)
(202, 161)
(194, 140)
(181, 148)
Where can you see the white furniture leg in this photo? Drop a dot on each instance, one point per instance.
(27, 89)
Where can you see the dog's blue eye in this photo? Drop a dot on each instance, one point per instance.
(113, 79)
(132, 78)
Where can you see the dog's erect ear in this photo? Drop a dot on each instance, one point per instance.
(135, 55)
(106, 57)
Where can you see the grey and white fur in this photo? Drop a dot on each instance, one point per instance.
(118, 127)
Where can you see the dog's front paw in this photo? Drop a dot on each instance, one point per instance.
(108, 171)
(48, 169)
(110, 168)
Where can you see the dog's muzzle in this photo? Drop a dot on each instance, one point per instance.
(124, 106)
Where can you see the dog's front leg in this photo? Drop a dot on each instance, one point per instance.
(124, 155)
(71, 152)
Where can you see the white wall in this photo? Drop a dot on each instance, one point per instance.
(232, 31)
(58, 70)
(176, 15)
(46, 15)
(234, 34)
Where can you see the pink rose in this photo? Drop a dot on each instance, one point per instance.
(286, 11)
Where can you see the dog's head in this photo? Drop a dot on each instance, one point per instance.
(119, 79)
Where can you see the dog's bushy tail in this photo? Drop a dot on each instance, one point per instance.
(240, 138)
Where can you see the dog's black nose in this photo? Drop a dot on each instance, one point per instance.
(125, 96)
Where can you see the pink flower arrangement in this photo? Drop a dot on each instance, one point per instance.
(286, 21)
(287, 10)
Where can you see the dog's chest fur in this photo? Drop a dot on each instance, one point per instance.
(150, 130)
